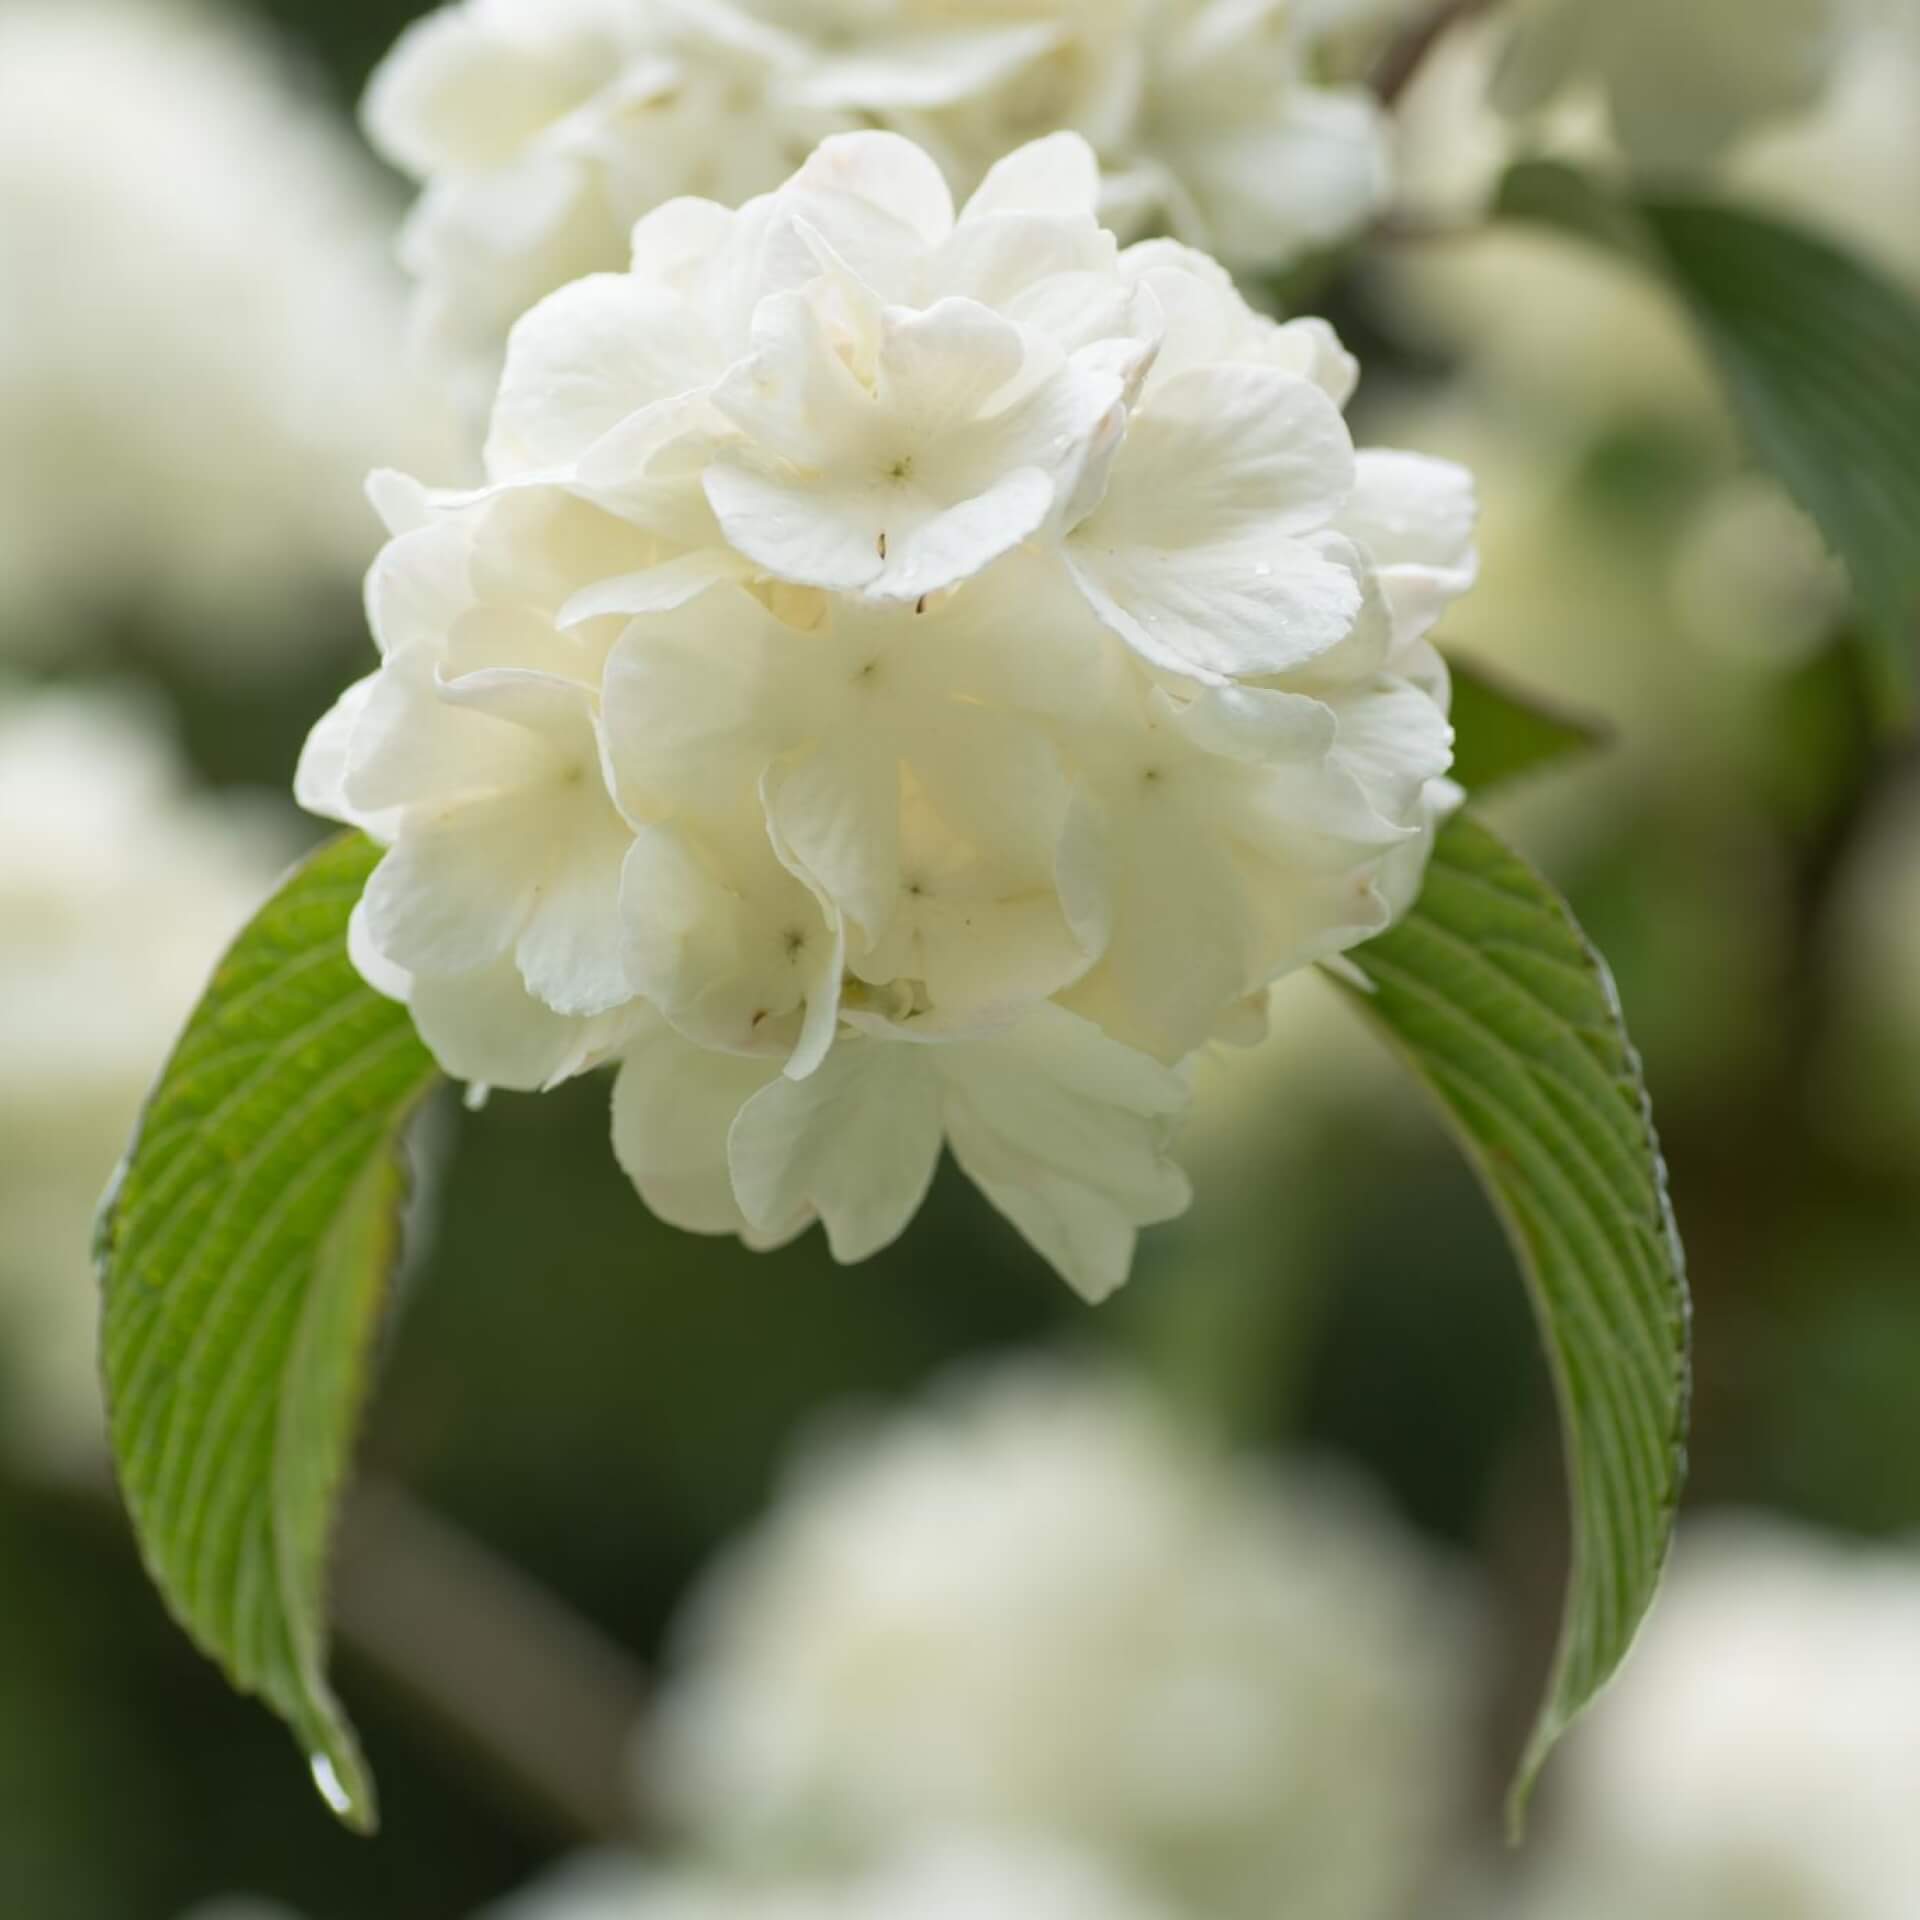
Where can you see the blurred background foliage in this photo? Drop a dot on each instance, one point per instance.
(600, 1401)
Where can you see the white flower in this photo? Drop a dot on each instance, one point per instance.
(118, 893)
(1683, 83)
(541, 130)
(1038, 1608)
(544, 128)
(201, 337)
(909, 679)
(1761, 1754)
(955, 1880)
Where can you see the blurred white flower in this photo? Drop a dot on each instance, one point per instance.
(1038, 1607)
(953, 1881)
(542, 131)
(1761, 1754)
(1753, 578)
(908, 678)
(200, 337)
(1682, 82)
(118, 893)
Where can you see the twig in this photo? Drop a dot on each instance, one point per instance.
(538, 1695)
(1403, 60)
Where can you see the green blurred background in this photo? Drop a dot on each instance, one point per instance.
(598, 1401)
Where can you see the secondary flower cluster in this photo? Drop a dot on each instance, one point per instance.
(907, 678)
(1038, 1605)
(202, 380)
(542, 129)
(1682, 83)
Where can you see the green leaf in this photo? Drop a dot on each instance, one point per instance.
(1820, 358)
(245, 1252)
(1502, 734)
(1504, 1010)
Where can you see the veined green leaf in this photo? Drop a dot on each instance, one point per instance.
(245, 1253)
(1502, 734)
(1820, 358)
(1505, 1011)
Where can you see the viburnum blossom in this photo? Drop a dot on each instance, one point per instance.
(542, 129)
(1037, 1605)
(907, 678)
(201, 339)
(1682, 83)
(118, 889)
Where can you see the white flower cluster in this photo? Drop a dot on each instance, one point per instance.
(118, 893)
(201, 340)
(1682, 83)
(1039, 1609)
(953, 1881)
(1761, 1755)
(542, 129)
(908, 678)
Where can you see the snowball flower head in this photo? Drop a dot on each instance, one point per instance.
(1682, 83)
(907, 679)
(542, 129)
(953, 1880)
(1037, 1607)
(201, 337)
(1761, 1756)
(118, 893)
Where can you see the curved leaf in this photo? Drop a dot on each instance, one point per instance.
(1502, 734)
(1820, 357)
(1502, 1007)
(245, 1252)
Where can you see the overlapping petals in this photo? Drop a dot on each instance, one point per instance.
(540, 130)
(910, 679)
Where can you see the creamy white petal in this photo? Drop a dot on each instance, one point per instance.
(1067, 1134)
(1057, 175)
(584, 360)
(733, 950)
(856, 1143)
(673, 1104)
(1414, 518)
(487, 1029)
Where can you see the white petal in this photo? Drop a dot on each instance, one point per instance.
(857, 1144)
(450, 95)
(901, 71)
(1067, 1134)
(454, 892)
(1414, 517)
(893, 176)
(320, 780)
(662, 589)
(487, 1029)
(673, 1104)
(585, 359)
(696, 703)
(570, 953)
(413, 747)
(1057, 175)
(1329, 147)
(724, 941)
(419, 585)
(1192, 557)
(835, 821)
(1236, 608)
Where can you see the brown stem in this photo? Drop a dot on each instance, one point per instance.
(538, 1696)
(1403, 60)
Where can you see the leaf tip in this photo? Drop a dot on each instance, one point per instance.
(341, 1779)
